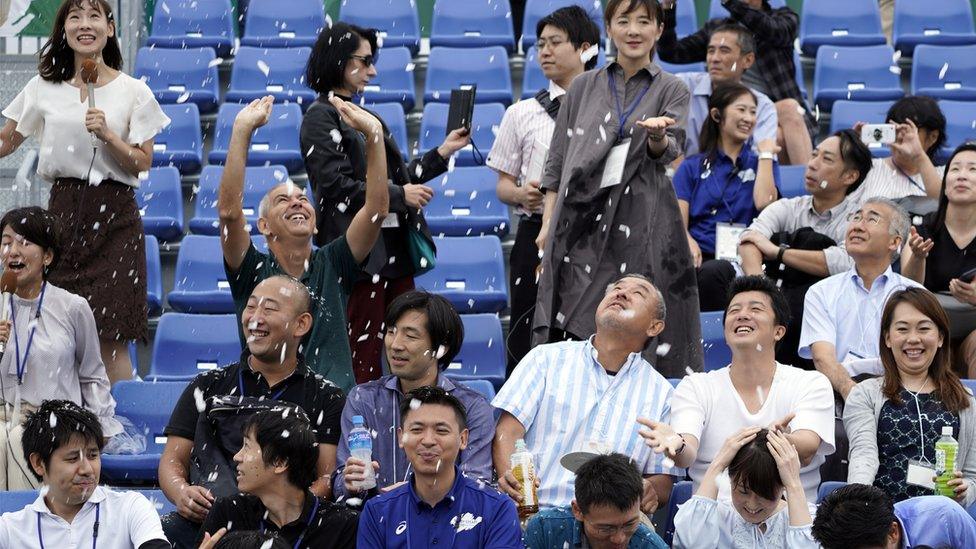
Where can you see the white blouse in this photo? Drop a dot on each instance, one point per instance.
(704, 523)
(55, 116)
(65, 360)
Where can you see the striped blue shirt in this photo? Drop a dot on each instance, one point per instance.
(567, 402)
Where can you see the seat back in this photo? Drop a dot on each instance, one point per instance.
(279, 134)
(396, 21)
(470, 272)
(484, 124)
(148, 406)
(200, 265)
(396, 120)
(187, 345)
(717, 352)
(932, 21)
(182, 134)
(161, 194)
(482, 386)
(394, 79)
(482, 355)
(854, 71)
(193, 18)
(154, 276)
(826, 488)
(473, 23)
(172, 74)
(847, 113)
(680, 493)
(537, 9)
(840, 18)
(486, 68)
(260, 71)
(960, 125)
(258, 180)
(16, 500)
(467, 204)
(791, 181)
(275, 23)
(944, 72)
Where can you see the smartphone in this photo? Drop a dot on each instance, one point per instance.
(878, 134)
(968, 276)
(462, 108)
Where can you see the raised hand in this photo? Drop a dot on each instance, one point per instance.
(787, 459)
(357, 118)
(920, 246)
(659, 436)
(255, 114)
(732, 446)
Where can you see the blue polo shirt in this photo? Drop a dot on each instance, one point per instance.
(558, 528)
(472, 515)
(718, 190)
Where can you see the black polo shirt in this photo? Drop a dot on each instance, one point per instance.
(319, 398)
(332, 525)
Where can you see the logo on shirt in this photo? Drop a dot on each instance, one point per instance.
(401, 527)
(468, 522)
(747, 175)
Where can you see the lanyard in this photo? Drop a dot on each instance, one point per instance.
(311, 517)
(909, 178)
(918, 408)
(240, 386)
(40, 536)
(623, 115)
(22, 363)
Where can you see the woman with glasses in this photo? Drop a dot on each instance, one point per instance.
(342, 63)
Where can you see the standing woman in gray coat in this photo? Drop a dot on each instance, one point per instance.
(898, 417)
(610, 208)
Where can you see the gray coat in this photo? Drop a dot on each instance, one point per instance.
(861, 413)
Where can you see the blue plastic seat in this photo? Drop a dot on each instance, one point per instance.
(180, 144)
(939, 22)
(945, 72)
(154, 277)
(470, 273)
(277, 24)
(533, 79)
(396, 121)
(393, 81)
(859, 74)
(484, 119)
(801, 80)
(482, 386)
(16, 500)
(717, 352)
(680, 493)
(258, 180)
(537, 9)
(274, 143)
(148, 406)
(268, 71)
(847, 113)
(193, 24)
(180, 76)
(465, 204)
(187, 345)
(396, 21)
(472, 24)
(717, 11)
(482, 355)
(791, 181)
(839, 23)
(487, 68)
(686, 19)
(826, 488)
(201, 285)
(160, 200)
(960, 125)
(675, 68)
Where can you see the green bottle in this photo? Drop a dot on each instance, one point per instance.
(946, 449)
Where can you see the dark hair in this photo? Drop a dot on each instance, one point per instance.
(251, 539)
(612, 480)
(854, 516)
(653, 8)
(432, 395)
(925, 113)
(36, 225)
(855, 155)
(332, 50)
(755, 283)
(939, 220)
(948, 388)
(57, 59)
(754, 467)
(444, 324)
(298, 449)
(52, 425)
(578, 26)
(746, 42)
(723, 95)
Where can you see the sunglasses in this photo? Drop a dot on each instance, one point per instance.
(367, 60)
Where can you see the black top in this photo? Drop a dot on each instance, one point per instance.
(332, 525)
(318, 398)
(946, 261)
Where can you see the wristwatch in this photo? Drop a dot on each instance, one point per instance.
(682, 448)
(766, 156)
(782, 250)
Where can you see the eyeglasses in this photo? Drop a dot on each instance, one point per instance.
(612, 530)
(856, 217)
(366, 59)
(542, 42)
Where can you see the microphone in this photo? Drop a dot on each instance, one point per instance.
(89, 75)
(8, 285)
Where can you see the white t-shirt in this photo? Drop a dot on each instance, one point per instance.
(55, 116)
(707, 406)
(126, 520)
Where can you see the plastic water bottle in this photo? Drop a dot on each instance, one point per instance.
(524, 471)
(361, 448)
(946, 450)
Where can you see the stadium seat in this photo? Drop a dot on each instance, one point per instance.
(686, 19)
(717, 352)
(826, 488)
(16, 500)
(201, 284)
(482, 355)
(945, 72)
(960, 126)
(801, 80)
(394, 79)
(180, 144)
(274, 143)
(470, 273)
(187, 345)
(277, 24)
(193, 24)
(465, 204)
(157, 498)
(859, 74)
(537, 9)
(970, 384)
(180, 76)
(396, 21)
(486, 68)
(277, 72)
(680, 493)
(154, 277)
(472, 24)
(148, 406)
(791, 181)
(160, 200)
(485, 122)
(258, 180)
(675, 68)
(396, 121)
(839, 23)
(847, 113)
(482, 386)
(939, 22)
(717, 11)
(533, 79)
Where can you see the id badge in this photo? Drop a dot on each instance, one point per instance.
(921, 473)
(613, 170)
(727, 241)
(391, 222)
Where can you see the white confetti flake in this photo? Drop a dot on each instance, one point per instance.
(183, 97)
(336, 136)
(663, 349)
(263, 67)
(945, 69)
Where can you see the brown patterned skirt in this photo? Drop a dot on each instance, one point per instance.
(103, 254)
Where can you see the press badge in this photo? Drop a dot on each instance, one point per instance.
(391, 222)
(727, 241)
(921, 473)
(613, 170)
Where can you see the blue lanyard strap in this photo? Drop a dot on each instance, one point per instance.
(240, 386)
(623, 115)
(40, 536)
(308, 523)
(22, 363)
